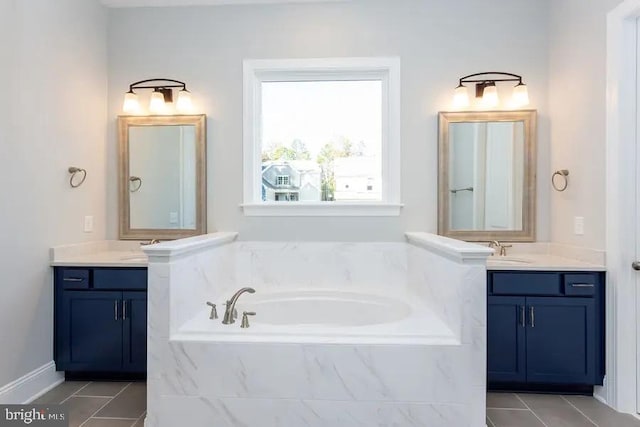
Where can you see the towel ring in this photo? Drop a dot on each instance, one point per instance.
(135, 179)
(73, 170)
(563, 173)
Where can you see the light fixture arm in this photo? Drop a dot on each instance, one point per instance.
(162, 94)
(510, 77)
(171, 84)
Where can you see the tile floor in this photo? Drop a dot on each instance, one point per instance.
(123, 404)
(101, 404)
(540, 410)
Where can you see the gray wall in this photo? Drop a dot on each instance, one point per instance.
(577, 100)
(52, 116)
(438, 41)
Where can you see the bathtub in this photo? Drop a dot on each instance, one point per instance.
(310, 315)
(346, 334)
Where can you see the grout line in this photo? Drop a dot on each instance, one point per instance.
(88, 395)
(74, 393)
(115, 418)
(508, 409)
(144, 414)
(532, 411)
(576, 408)
(106, 403)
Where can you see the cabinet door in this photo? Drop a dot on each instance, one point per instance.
(561, 340)
(91, 331)
(506, 339)
(135, 331)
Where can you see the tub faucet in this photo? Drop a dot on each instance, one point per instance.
(229, 316)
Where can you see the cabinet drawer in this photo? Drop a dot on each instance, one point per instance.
(73, 278)
(580, 284)
(513, 283)
(120, 278)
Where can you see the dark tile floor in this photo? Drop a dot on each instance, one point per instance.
(542, 410)
(123, 404)
(101, 404)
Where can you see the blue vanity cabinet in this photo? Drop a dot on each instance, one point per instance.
(506, 335)
(92, 335)
(100, 320)
(135, 335)
(562, 340)
(545, 329)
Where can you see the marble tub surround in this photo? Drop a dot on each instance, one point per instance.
(103, 253)
(246, 381)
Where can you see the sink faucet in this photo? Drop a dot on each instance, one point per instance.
(494, 244)
(502, 247)
(229, 316)
(150, 242)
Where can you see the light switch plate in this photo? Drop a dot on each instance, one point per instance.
(88, 224)
(578, 225)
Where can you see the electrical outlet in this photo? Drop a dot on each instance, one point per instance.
(578, 225)
(88, 224)
(173, 217)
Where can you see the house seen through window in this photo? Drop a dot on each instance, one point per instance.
(322, 140)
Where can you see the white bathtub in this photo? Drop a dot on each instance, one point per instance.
(346, 334)
(323, 315)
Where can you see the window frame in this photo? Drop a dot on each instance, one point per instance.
(257, 71)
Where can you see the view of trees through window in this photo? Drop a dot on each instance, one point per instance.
(325, 138)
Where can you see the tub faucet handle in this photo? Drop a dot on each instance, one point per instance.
(214, 312)
(245, 319)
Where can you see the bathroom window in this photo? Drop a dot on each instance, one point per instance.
(325, 128)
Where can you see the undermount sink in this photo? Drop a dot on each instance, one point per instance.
(507, 260)
(134, 258)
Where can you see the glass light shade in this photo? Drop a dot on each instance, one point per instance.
(156, 104)
(520, 94)
(461, 97)
(131, 104)
(184, 100)
(490, 96)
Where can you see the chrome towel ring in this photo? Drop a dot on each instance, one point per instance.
(133, 179)
(562, 173)
(73, 170)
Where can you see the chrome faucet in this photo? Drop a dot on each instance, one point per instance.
(230, 313)
(502, 247)
(494, 244)
(150, 242)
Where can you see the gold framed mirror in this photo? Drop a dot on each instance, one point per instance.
(162, 176)
(487, 175)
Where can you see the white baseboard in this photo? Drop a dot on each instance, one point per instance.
(32, 385)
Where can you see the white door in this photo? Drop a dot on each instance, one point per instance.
(636, 262)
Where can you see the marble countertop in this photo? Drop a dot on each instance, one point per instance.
(539, 262)
(106, 253)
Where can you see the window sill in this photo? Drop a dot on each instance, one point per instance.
(321, 209)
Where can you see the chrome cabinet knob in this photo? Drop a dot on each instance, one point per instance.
(245, 319)
(635, 265)
(214, 312)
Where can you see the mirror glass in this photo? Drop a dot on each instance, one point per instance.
(162, 176)
(487, 171)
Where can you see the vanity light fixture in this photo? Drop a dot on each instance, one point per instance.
(486, 89)
(162, 95)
